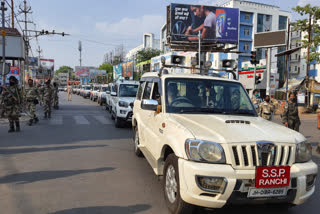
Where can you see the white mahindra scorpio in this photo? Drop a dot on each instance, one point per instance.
(203, 135)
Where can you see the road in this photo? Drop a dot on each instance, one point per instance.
(78, 162)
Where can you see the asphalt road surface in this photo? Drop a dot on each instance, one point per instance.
(78, 162)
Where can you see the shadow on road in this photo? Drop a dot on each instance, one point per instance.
(58, 148)
(31, 177)
(106, 210)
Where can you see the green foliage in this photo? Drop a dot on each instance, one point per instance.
(147, 54)
(303, 26)
(63, 69)
(106, 67)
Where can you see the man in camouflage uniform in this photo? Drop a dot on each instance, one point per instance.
(266, 108)
(31, 98)
(290, 116)
(55, 96)
(12, 100)
(47, 96)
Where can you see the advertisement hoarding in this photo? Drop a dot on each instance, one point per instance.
(216, 24)
(33, 62)
(47, 64)
(123, 70)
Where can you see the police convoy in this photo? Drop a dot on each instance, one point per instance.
(202, 134)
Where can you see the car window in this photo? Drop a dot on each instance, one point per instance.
(140, 90)
(155, 91)
(147, 91)
(128, 90)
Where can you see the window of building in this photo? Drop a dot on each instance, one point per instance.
(268, 18)
(247, 16)
(303, 67)
(283, 23)
(246, 46)
(296, 56)
(246, 32)
(295, 68)
(289, 68)
(298, 69)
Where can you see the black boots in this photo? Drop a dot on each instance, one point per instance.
(45, 115)
(30, 122)
(49, 114)
(17, 126)
(11, 125)
(36, 120)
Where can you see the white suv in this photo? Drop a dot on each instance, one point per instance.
(203, 135)
(122, 99)
(102, 94)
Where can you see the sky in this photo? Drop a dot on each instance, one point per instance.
(102, 25)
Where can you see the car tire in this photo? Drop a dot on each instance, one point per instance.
(118, 123)
(137, 151)
(171, 188)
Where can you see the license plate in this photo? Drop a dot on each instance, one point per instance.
(267, 192)
(272, 176)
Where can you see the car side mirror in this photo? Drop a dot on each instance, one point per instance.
(114, 94)
(149, 104)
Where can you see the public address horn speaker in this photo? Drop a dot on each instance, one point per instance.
(178, 60)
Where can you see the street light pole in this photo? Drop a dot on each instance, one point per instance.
(3, 9)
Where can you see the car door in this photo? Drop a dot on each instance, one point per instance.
(145, 115)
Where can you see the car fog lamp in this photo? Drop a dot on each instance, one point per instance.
(123, 104)
(123, 112)
(211, 184)
(310, 181)
(303, 152)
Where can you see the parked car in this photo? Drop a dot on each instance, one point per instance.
(85, 92)
(108, 96)
(94, 92)
(203, 135)
(122, 99)
(102, 94)
(61, 88)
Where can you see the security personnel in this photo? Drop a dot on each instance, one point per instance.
(290, 116)
(256, 99)
(47, 96)
(55, 96)
(266, 108)
(32, 99)
(12, 101)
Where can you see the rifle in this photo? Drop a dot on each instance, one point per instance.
(10, 92)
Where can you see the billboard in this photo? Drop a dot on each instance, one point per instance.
(216, 24)
(47, 64)
(123, 70)
(33, 61)
(270, 39)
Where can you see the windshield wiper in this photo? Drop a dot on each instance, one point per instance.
(204, 110)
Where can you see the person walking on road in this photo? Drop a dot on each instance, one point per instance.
(12, 101)
(290, 116)
(32, 99)
(69, 91)
(266, 108)
(55, 96)
(47, 96)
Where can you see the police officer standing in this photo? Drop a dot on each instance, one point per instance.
(266, 108)
(256, 99)
(12, 101)
(31, 98)
(290, 116)
(47, 96)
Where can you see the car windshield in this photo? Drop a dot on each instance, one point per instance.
(203, 96)
(104, 89)
(127, 90)
(96, 88)
(88, 87)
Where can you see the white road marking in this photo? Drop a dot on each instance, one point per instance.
(102, 119)
(81, 120)
(56, 120)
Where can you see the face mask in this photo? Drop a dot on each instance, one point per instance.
(267, 100)
(11, 83)
(292, 99)
(257, 94)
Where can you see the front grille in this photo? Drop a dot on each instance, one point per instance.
(249, 156)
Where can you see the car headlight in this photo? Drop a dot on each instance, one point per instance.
(123, 104)
(204, 151)
(303, 152)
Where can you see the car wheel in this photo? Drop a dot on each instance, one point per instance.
(137, 151)
(171, 187)
(118, 123)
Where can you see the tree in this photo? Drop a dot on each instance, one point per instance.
(109, 69)
(63, 69)
(147, 54)
(311, 40)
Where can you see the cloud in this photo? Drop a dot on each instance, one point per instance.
(132, 26)
(312, 2)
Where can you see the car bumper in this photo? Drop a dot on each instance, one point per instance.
(191, 193)
(127, 116)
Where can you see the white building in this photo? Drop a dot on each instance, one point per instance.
(63, 78)
(149, 41)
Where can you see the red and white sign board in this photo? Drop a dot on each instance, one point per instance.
(272, 176)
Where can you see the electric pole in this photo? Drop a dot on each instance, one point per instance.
(80, 50)
(12, 14)
(26, 10)
(39, 51)
(3, 32)
(308, 63)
